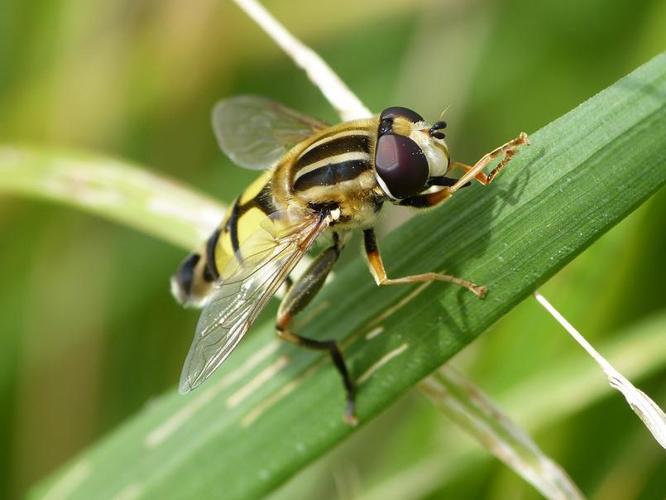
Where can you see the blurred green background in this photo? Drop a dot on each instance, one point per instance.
(88, 330)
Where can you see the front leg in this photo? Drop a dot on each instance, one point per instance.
(379, 272)
(506, 152)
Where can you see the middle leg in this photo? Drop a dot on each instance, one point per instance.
(379, 272)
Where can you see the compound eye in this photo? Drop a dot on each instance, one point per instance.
(401, 165)
(397, 111)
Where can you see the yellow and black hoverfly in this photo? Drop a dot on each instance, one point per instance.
(318, 179)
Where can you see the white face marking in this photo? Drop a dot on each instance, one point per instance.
(384, 187)
(434, 149)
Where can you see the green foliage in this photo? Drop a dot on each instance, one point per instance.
(90, 334)
(113, 190)
(557, 197)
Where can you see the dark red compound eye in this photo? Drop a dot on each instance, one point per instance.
(401, 164)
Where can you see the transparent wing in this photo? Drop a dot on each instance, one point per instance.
(246, 285)
(256, 132)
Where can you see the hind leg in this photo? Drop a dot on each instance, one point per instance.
(299, 295)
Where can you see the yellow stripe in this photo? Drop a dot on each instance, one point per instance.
(249, 223)
(320, 141)
(255, 188)
(224, 251)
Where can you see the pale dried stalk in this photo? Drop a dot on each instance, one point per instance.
(464, 403)
(112, 189)
(348, 106)
(647, 410)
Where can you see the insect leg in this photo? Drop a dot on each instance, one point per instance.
(427, 200)
(288, 283)
(379, 272)
(299, 295)
(507, 151)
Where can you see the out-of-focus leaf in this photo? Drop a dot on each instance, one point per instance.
(112, 189)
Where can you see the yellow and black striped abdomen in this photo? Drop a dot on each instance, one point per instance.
(193, 281)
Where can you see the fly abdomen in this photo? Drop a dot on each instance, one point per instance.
(196, 276)
(184, 276)
(192, 281)
(210, 271)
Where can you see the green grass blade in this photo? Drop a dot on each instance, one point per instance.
(273, 408)
(554, 394)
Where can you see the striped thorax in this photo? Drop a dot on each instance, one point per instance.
(332, 169)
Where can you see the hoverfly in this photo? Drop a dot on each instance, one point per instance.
(318, 179)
